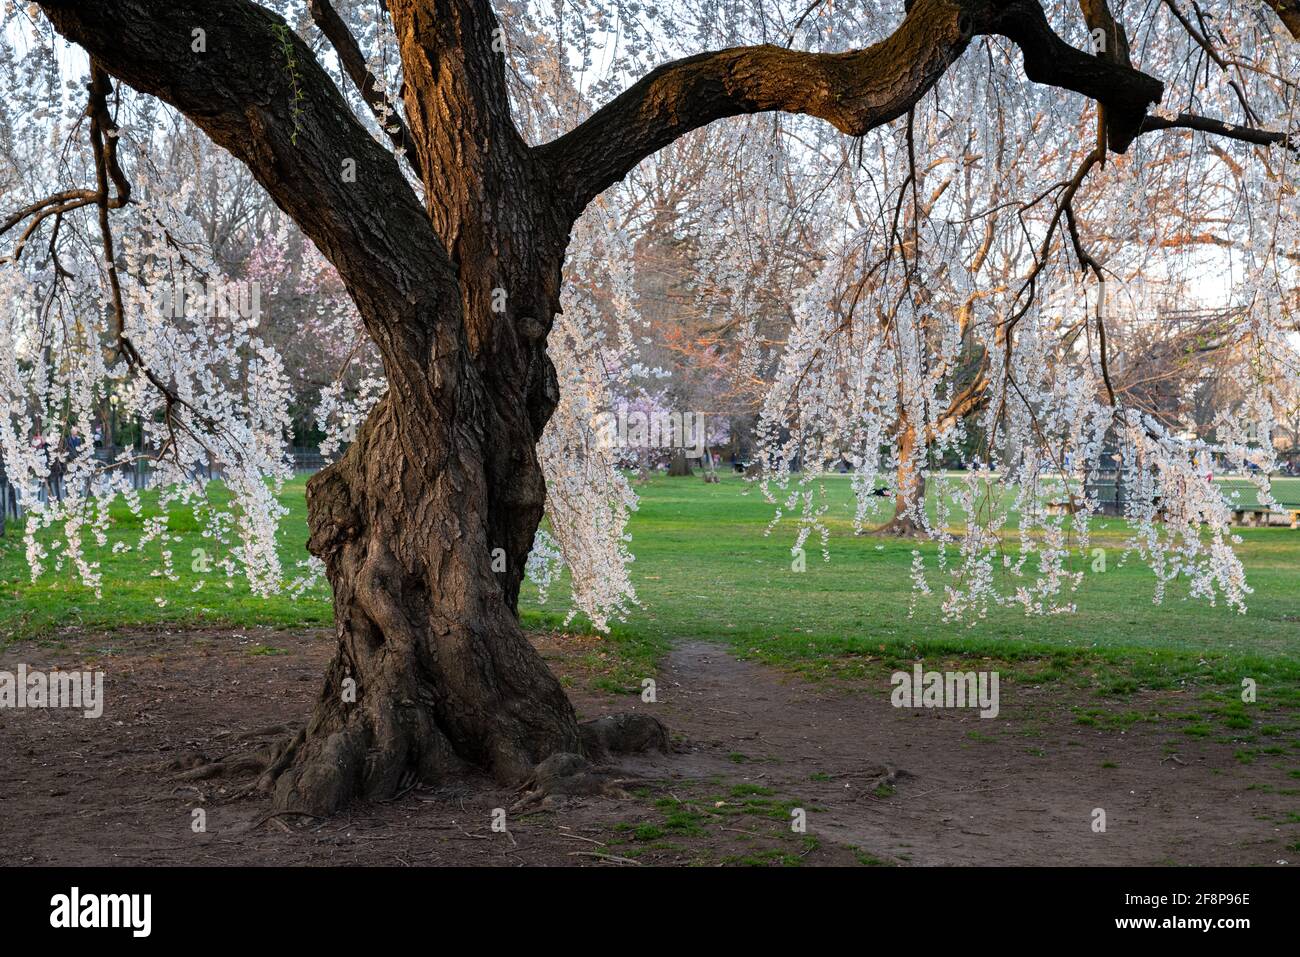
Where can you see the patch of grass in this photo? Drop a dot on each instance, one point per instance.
(261, 650)
(647, 832)
(764, 859)
(685, 821)
(870, 860)
(710, 571)
(747, 790)
(133, 595)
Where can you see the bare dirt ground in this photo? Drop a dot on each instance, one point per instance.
(754, 745)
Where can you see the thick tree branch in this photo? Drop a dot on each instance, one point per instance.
(1109, 40)
(239, 73)
(458, 106)
(1124, 93)
(856, 91)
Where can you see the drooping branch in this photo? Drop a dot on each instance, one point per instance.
(104, 140)
(856, 91)
(354, 63)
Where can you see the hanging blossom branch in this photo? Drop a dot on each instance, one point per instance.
(589, 499)
(354, 62)
(104, 140)
(843, 382)
(203, 389)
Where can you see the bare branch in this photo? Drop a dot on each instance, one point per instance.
(1205, 124)
(354, 62)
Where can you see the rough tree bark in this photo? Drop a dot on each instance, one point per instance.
(424, 525)
(445, 473)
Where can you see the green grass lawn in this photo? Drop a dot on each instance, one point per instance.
(706, 569)
(133, 595)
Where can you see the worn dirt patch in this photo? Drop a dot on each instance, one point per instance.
(876, 784)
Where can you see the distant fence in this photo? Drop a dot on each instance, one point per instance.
(1106, 486)
(306, 461)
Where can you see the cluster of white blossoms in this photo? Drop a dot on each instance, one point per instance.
(588, 497)
(341, 411)
(187, 368)
(983, 283)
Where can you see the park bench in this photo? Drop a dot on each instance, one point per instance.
(1246, 510)
(1252, 516)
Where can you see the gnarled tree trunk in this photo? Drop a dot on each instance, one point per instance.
(432, 675)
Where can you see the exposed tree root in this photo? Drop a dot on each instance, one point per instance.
(276, 815)
(626, 733)
(266, 762)
(562, 775)
(884, 776)
(565, 775)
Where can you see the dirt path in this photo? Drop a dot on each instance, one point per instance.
(1017, 789)
(756, 745)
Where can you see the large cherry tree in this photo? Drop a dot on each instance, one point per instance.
(452, 249)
